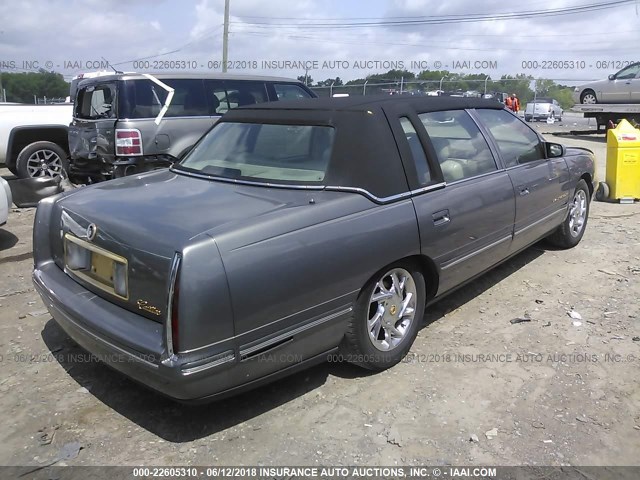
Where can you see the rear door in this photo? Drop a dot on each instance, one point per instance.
(91, 133)
(540, 184)
(463, 200)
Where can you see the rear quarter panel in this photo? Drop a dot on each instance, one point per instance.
(286, 269)
(581, 162)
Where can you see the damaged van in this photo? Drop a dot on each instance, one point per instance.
(128, 123)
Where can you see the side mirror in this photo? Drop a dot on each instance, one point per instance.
(555, 150)
(612, 77)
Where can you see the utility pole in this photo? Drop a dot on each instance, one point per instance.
(225, 36)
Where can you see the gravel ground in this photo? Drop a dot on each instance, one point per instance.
(475, 389)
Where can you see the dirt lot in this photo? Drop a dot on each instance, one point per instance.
(555, 390)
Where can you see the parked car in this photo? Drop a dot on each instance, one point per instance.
(33, 139)
(130, 123)
(542, 109)
(5, 201)
(620, 87)
(294, 230)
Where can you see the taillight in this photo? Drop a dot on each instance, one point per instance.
(172, 328)
(175, 321)
(128, 141)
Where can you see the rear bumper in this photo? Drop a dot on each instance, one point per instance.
(135, 346)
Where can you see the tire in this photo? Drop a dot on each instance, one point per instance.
(527, 119)
(41, 159)
(569, 234)
(588, 97)
(361, 346)
(602, 193)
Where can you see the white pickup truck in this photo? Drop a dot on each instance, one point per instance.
(33, 139)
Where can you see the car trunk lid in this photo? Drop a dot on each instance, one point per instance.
(142, 221)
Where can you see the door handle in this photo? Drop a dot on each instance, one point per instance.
(441, 218)
(524, 191)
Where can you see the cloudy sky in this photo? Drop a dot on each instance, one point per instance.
(70, 36)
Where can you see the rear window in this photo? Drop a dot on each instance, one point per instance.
(266, 152)
(96, 101)
(144, 98)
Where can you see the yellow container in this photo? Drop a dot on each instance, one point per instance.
(623, 161)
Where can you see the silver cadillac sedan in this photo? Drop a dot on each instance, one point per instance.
(297, 230)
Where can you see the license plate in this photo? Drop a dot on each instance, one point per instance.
(97, 266)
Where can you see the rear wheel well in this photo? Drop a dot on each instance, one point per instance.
(430, 273)
(426, 266)
(20, 138)
(587, 178)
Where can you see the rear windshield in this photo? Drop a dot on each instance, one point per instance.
(287, 154)
(542, 100)
(96, 101)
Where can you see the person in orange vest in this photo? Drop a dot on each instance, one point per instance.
(515, 103)
(508, 103)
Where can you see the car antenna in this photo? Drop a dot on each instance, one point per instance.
(109, 63)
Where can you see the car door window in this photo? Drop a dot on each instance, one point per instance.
(232, 94)
(287, 91)
(461, 149)
(417, 152)
(516, 142)
(628, 73)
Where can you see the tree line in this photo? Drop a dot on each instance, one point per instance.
(21, 87)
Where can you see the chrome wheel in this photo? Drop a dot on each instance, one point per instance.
(44, 163)
(392, 309)
(578, 213)
(589, 98)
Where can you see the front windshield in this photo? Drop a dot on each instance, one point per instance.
(269, 152)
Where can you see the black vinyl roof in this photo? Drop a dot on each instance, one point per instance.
(363, 103)
(365, 153)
